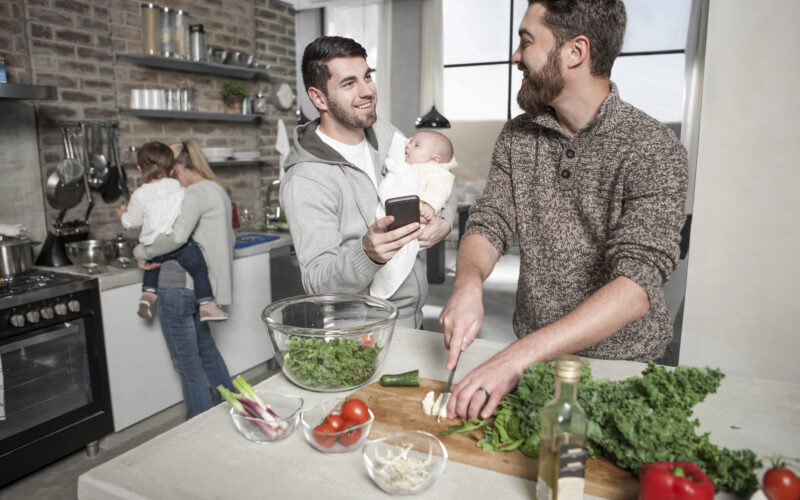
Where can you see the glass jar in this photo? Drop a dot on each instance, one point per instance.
(151, 14)
(260, 104)
(167, 32)
(182, 34)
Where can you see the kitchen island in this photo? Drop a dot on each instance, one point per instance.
(207, 458)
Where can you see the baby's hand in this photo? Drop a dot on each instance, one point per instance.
(121, 210)
(425, 213)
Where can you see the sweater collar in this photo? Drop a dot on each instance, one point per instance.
(608, 116)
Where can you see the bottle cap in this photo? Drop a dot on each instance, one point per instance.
(568, 367)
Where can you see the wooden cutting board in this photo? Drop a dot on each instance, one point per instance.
(400, 408)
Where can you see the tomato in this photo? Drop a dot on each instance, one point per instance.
(336, 421)
(322, 435)
(355, 411)
(781, 483)
(368, 340)
(350, 435)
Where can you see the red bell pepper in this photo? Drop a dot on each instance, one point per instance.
(674, 481)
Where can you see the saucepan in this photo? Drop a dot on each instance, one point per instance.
(16, 255)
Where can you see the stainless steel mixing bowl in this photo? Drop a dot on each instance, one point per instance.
(91, 252)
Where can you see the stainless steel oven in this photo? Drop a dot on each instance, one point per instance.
(54, 395)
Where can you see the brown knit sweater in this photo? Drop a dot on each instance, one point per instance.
(608, 202)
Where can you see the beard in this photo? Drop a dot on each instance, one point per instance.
(539, 89)
(350, 118)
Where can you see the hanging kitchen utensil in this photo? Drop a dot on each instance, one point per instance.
(111, 190)
(98, 165)
(123, 176)
(60, 196)
(89, 196)
(70, 170)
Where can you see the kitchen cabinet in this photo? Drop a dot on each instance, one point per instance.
(142, 379)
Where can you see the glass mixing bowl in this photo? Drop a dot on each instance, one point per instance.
(330, 343)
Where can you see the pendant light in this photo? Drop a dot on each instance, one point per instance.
(432, 119)
(432, 65)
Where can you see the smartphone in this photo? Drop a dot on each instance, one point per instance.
(405, 210)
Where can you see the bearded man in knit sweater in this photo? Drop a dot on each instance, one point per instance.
(594, 191)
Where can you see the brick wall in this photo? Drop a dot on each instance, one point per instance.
(72, 44)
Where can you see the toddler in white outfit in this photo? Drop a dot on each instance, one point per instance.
(154, 207)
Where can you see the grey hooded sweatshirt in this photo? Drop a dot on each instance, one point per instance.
(329, 204)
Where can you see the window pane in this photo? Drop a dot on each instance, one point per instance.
(516, 84)
(656, 25)
(476, 92)
(653, 84)
(359, 22)
(476, 31)
(520, 6)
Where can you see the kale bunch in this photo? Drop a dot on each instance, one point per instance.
(330, 364)
(631, 422)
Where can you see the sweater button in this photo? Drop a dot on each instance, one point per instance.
(565, 173)
(570, 153)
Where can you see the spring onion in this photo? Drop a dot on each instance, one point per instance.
(253, 407)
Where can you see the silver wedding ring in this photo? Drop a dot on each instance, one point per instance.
(481, 389)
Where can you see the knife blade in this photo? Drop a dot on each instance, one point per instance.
(446, 392)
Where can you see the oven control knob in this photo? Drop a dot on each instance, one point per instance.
(74, 306)
(60, 308)
(32, 316)
(17, 320)
(46, 312)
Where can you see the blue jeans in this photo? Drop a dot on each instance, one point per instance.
(193, 351)
(190, 257)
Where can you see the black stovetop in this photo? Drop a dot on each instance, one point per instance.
(35, 280)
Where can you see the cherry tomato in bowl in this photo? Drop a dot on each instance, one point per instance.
(325, 416)
(355, 411)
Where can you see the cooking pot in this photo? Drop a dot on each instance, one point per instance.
(16, 255)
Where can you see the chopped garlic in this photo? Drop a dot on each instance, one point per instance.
(427, 403)
(442, 402)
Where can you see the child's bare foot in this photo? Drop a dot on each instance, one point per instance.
(210, 311)
(146, 302)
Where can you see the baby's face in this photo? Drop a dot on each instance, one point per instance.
(421, 149)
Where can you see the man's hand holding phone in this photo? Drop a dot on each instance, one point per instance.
(389, 234)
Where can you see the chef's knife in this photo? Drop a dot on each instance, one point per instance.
(446, 393)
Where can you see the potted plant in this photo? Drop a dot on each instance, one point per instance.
(232, 96)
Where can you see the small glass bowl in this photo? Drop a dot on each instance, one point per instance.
(286, 406)
(338, 442)
(424, 458)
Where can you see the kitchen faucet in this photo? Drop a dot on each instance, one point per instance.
(269, 216)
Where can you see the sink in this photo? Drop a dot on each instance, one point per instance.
(250, 239)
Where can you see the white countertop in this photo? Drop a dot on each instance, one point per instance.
(207, 458)
(115, 277)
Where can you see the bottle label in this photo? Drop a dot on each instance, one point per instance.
(571, 471)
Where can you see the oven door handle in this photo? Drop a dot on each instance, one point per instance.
(58, 331)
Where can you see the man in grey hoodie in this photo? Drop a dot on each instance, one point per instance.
(329, 192)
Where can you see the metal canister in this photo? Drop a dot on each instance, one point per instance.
(197, 43)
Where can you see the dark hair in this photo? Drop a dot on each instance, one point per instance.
(322, 50)
(156, 160)
(601, 21)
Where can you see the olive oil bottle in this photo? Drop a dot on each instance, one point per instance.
(562, 450)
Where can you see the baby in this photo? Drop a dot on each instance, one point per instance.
(154, 207)
(431, 155)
